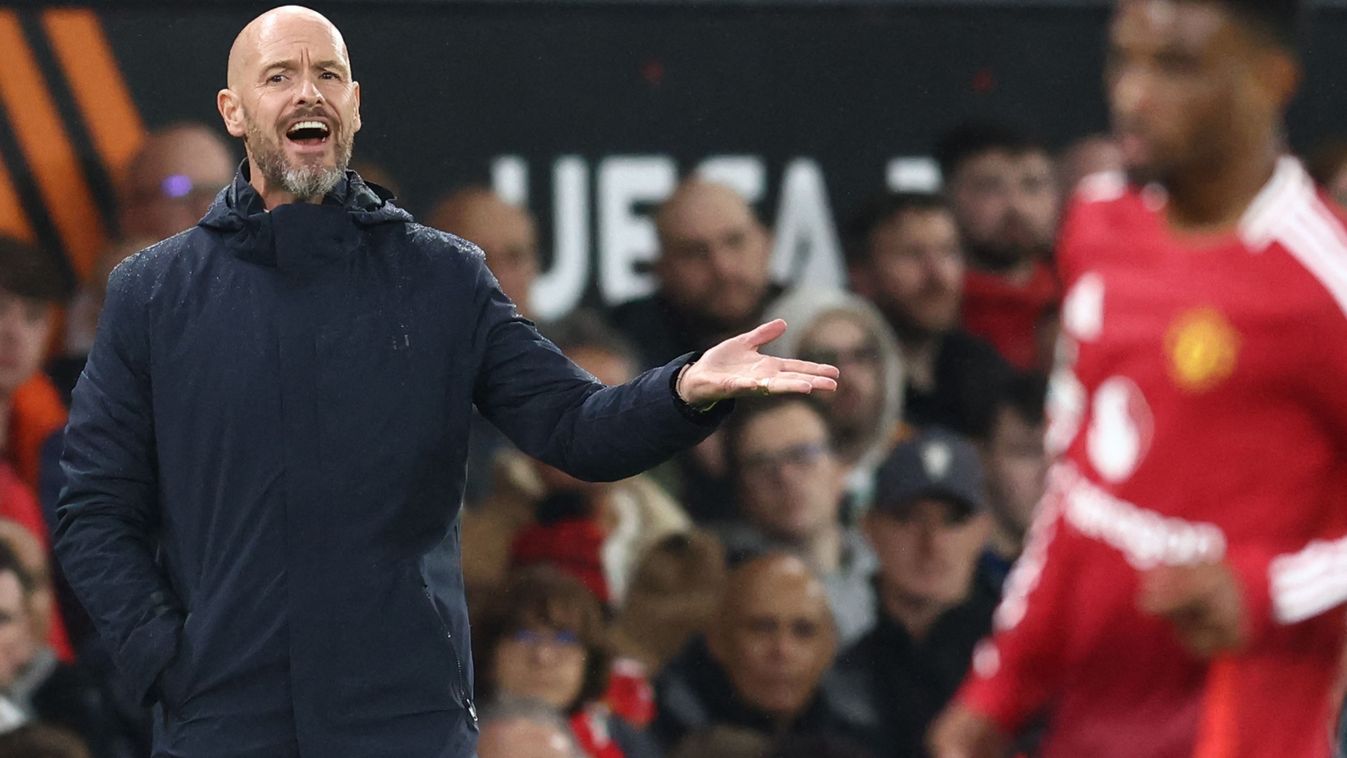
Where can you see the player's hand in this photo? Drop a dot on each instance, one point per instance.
(1203, 602)
(962, 733)
(735, 368)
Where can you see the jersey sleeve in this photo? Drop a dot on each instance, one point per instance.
(1287, 587)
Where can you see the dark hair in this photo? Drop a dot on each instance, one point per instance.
(877, 211)
(749, 408)
(973, 138)
(29, 272)
(544, 596)
(38, 740)
(1277, 20)
(1024, 394)
(584, 328)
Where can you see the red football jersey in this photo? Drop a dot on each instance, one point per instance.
(1199, 414)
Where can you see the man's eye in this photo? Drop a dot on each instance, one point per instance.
(276, 78)
(329, 75)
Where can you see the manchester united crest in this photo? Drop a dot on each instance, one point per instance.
(1203, 349)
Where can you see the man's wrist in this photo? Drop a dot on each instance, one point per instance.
(682, 398)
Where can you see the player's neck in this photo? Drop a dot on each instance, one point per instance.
(1215, 200)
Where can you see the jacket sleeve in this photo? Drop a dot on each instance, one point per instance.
(108, 511)
(555, 411)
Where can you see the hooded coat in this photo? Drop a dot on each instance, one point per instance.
(265, 461)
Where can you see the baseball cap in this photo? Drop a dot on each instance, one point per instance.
(936, 464)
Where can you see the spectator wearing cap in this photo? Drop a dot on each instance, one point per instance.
(1002, 187)
(790, 484)
(765, 664)
(929, 523)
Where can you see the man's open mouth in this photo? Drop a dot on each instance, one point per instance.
(308, 133)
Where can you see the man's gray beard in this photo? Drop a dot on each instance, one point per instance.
(306, 183)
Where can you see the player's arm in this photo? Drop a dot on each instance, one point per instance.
(108, 512)
(1226, 606)
(1015, 671)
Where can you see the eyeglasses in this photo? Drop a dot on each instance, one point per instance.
(864, 355)
(803, 455)
(560, 639)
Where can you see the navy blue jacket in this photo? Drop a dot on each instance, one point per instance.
(265, 460)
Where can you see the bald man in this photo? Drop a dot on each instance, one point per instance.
(506, 233)
(712, 272)
(762, 665)
(266, 449)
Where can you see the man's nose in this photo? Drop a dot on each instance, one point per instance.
(308, 91)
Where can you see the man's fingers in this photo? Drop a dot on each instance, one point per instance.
(764, 333)
(1170, 590)
(809, 367)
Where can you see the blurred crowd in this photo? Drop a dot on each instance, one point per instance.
(809, 581)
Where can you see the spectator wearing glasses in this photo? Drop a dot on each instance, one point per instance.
(790, 485)
(544, 640)
(865, 414)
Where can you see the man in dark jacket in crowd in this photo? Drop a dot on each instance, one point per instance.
(266, 448)
(929, 523)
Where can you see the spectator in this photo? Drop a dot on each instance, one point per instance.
(505, 232)
(525, 729)
(41, 741)
(713, 277)
(928, 525)
(169, 183)
(865, 414)
(598, 529)
(1087, 156)
(31, 285)
(904, 255)
(672, 598)
(790, 485)
(543, 639)
(712, 273)
(1016, 463)
(33, 679)
(1003, 191)
(763, 665)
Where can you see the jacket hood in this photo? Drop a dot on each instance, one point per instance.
(294, 234)
(803, 307)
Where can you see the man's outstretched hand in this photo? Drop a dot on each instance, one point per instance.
(1203, 602)
(735, 368)
(962, 733)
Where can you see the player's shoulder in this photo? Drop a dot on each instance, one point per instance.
(1295, 218)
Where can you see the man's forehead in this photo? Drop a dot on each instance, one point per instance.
(1183, 23)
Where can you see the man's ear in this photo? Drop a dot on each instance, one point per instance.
(356, 92)
(231, 111)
